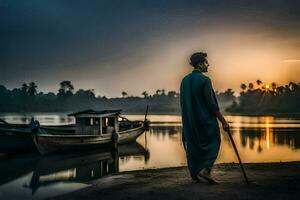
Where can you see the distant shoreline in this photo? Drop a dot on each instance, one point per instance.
(160, 113)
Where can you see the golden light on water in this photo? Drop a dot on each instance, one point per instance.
(268, 133)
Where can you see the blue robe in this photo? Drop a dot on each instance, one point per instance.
(201, 132)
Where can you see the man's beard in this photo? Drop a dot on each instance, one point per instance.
(204, 69)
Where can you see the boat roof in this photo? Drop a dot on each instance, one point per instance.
(95, 113)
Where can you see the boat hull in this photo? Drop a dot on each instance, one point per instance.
(16, 138)
(15, 141)
(50, 143)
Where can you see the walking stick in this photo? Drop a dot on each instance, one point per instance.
(238, 156)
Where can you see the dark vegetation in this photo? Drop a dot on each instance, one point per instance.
(262, 98)
(256, 98)
(27, 98)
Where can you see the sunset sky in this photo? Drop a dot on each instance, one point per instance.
(136, 45)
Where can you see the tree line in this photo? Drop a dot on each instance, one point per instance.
(262, 98)
(258, 98)
(28, 98)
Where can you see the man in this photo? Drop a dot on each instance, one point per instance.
(200, 111)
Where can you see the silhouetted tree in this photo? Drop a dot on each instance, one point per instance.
(226, 96)
(172, 94)
(243, 86)
(66, 86)
(65, 90)
(255, 100)
(24, 89)
(32, 89)
(124, 94)
(258, 82)
(250, 86)
(276, 99)
(90, 93)
(158, 92)
(274, 86)
(145, 94)
(292, 85)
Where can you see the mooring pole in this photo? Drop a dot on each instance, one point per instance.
(147, 108)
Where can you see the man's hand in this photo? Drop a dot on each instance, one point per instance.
(225, 126)
(223, 121)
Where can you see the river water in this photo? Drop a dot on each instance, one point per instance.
(258, 139)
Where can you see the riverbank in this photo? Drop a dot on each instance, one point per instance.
(269, 181)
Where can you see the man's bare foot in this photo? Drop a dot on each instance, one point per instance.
(205, 174)
(196, 179)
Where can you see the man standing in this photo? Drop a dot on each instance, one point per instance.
(200, 110)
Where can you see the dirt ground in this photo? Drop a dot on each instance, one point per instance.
(269, 181)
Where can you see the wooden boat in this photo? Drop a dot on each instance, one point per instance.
(16, 138)
(82, 167)
(92, 130)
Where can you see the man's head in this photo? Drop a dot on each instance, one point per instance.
(199, 61)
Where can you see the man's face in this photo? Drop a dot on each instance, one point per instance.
(204, 66)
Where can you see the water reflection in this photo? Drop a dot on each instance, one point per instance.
(290, 138)
(15, 166)
(82, 167)
(258, 139)
(33, 172)
(276, 136)
(161, 132)
(251, 136)
(167, 129)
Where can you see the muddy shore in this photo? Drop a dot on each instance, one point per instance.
(269, 181)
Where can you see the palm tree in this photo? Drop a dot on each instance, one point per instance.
(24, 89)
(258, 82)
(65, 90)
(124, 94)
(251, 86)
(158, 92)
(66, 86)
(145, 94)
(274, 86)
(32, 89)
(243, 86)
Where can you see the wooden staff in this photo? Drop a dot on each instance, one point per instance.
(238, 156)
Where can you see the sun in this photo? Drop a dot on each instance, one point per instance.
(267, 87)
